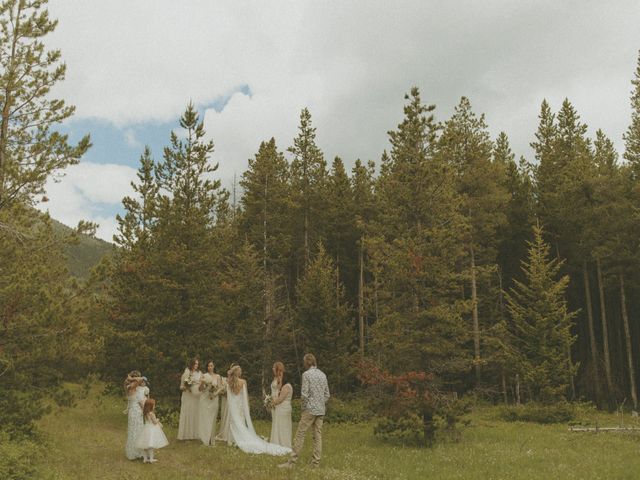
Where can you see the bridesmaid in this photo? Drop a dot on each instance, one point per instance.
(190, 386)
(281, 393)
(210, 387)
(133, 385)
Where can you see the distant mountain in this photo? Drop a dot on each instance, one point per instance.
(84, 255)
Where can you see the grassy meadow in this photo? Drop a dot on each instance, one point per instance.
(87, 442)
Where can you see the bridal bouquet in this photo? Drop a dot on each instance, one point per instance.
(213, 390)
(189, 382)
(268, 402)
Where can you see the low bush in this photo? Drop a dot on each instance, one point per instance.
(560, 412)
(17, 458)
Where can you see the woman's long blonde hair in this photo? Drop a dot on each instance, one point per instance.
(233, 378)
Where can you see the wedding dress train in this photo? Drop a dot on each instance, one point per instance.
(237, 427)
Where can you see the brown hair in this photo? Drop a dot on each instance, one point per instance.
(310, 360)
(192, 363)
(279, 371)
(214, 365)
(149, 405)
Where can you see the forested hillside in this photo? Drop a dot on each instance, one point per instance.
(84, 253)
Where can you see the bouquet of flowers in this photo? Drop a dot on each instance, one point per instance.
(213, 390)
(268, 403)
(223, 386)
(189, 382)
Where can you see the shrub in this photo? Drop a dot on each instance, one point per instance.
(410, 407)
(17, 458)
(348, 411)
(560, 412)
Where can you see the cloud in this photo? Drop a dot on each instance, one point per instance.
(137, 63)
(130, 138)
(349, 62)
(89, 191)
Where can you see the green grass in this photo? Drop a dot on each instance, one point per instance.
(87, 442)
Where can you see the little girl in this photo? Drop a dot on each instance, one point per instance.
(152, 436)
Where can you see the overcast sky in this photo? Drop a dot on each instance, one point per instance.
(250, 67)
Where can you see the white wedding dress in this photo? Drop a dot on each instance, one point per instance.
(238, 429)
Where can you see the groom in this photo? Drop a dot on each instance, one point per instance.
(315, 393)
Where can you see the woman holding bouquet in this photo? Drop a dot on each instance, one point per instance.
(210, 388)
(190, 403)
(281, 394)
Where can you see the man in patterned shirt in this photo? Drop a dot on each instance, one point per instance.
(315, 393)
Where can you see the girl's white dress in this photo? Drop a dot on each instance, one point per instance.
(188, 428)
(281, 417)
(208, 409)
(237, 427)
(135, 422)
(152, 435)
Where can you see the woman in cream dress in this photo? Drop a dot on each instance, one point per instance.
(281, 394)
(190, 403)
(210, 388)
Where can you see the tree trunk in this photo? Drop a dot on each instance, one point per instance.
(8, 100)
(504, 386)
(337, 285)
(474, 313)
(517, 389)
(361, 298)
(267, 289)
(592, 335)
(605, 330)
(306, 240)
(571, 379)
(627, 334)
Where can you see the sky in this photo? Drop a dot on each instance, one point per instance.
(250, 67)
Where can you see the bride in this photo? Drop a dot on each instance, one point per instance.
(237, 427)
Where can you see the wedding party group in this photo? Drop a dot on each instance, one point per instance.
(207, 397)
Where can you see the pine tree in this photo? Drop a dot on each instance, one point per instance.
(266, 206)
(416, 253)
(565, 187)
(465, 143)
(44, 335)
(632, 135)
(266, 223)
(309, 178)
(341, 235)
(326, 327)
(30, 149)
(176, 274)
(540, 323)
(362, 185)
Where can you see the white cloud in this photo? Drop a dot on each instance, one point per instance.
(89, 191)
(131, 139)
(350, 62)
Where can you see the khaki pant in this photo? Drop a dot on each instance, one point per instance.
(308, 420)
